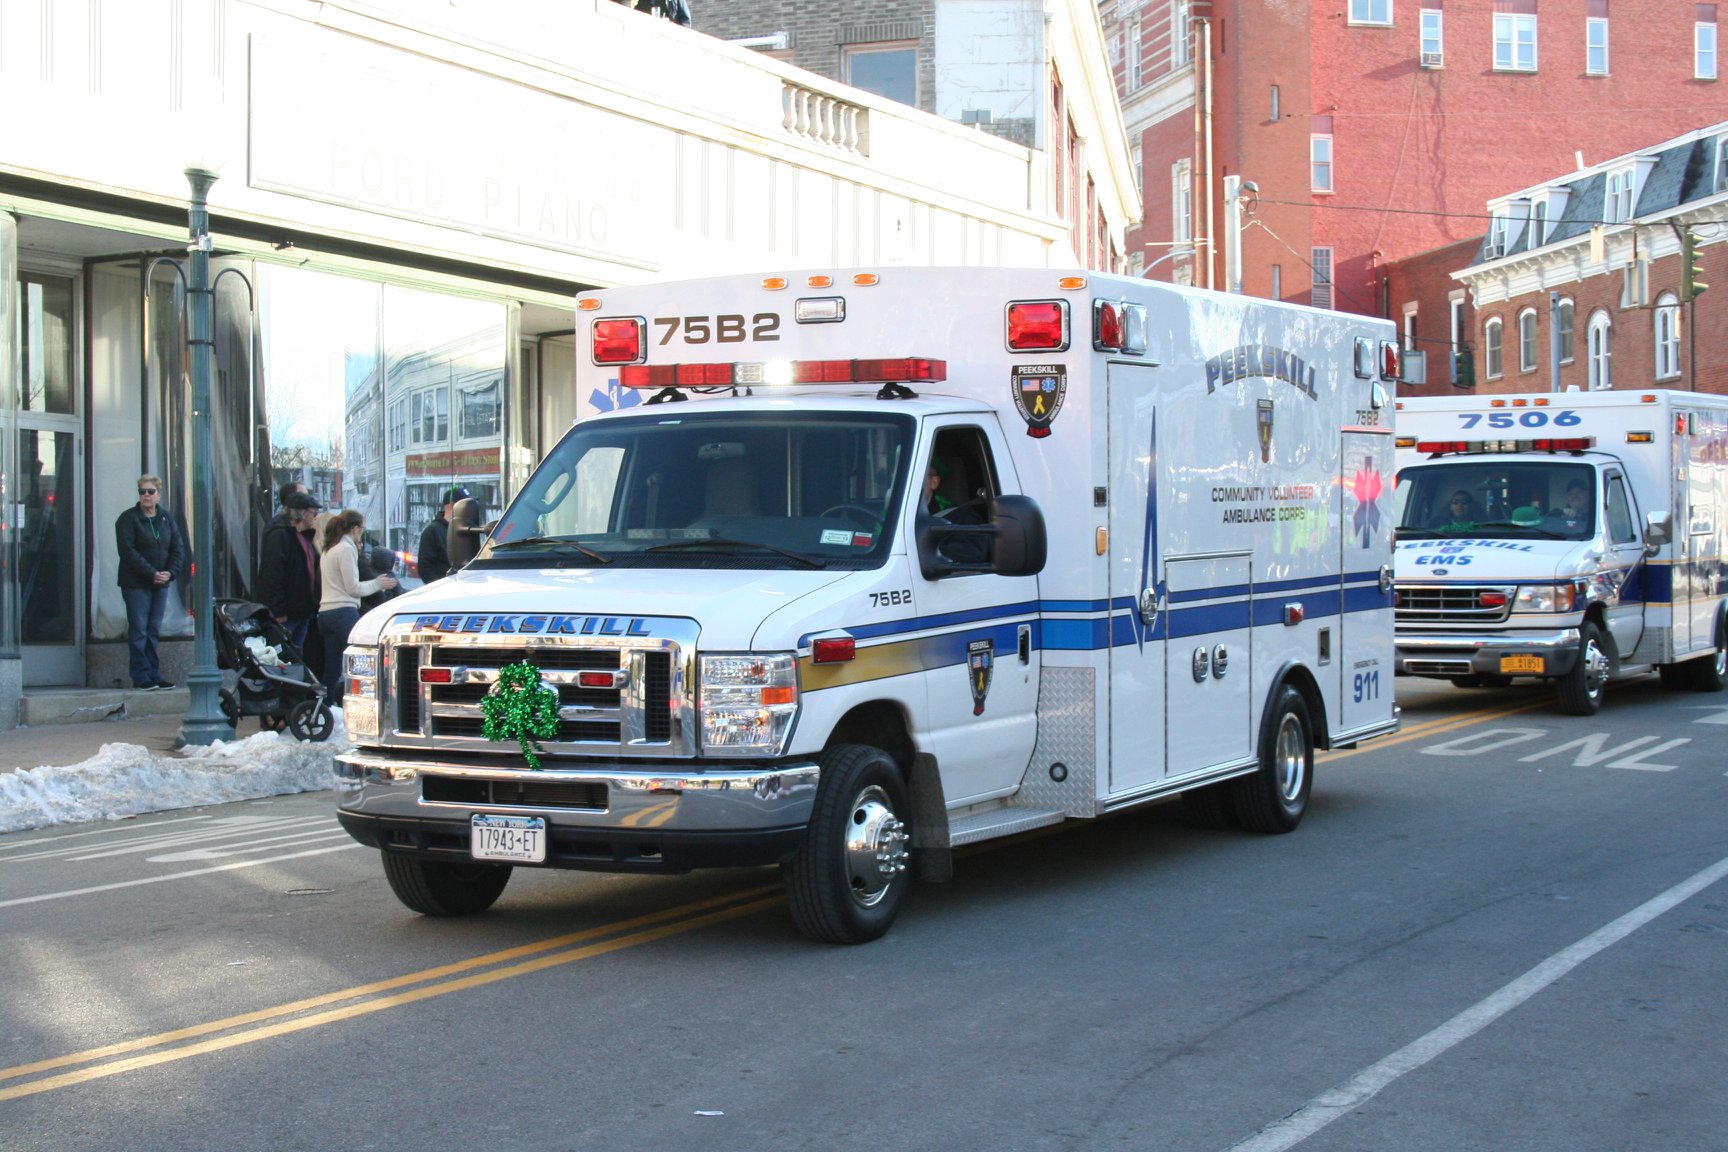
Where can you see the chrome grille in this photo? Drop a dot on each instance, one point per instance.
(439, 680)
(1452, 604)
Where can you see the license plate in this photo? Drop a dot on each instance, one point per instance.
(1521, 664)
(517, 838)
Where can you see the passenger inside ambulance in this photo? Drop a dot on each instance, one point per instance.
(957, 487)
(1465, 497)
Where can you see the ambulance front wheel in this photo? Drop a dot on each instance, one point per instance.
(444, 888)
(1710, 673)
(1274, 798)
(1581, 688)
(846, 883)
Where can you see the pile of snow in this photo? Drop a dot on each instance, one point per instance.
(127, 779)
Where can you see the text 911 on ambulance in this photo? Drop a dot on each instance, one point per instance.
(1572, 537)
(841, 572)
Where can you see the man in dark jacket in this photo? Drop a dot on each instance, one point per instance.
(288, 580)
(152, 553)
(435, 540)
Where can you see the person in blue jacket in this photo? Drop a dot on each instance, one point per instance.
(152, 553)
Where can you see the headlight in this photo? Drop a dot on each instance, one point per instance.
(1545, 598)
(748, 704)
(360, 693)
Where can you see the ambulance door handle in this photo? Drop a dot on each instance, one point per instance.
(1150, 605)
(1025, 643)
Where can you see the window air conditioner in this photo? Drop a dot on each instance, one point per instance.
(1433, 59)
(1494, 251)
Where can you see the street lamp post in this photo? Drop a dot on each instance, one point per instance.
(204, 723)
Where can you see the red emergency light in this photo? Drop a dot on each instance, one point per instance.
(1038, 326)
(617, 340)
(901, 370)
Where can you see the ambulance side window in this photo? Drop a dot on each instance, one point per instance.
(1622, 527)
(962, 456)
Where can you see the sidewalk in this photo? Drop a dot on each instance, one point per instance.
(63, 744)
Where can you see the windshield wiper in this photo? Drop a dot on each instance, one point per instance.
(723, 542)
(553, 543)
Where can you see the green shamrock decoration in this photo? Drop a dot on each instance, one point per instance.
(520, 708)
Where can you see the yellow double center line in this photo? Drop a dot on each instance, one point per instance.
(347, 1004)
(350, 1003)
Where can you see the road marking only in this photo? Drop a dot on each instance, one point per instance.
(1372, 1080)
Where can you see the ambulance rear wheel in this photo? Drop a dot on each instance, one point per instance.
(444, 888)
(846, 883)
(1210, 807)
(1581, 688)
(1710, 673)
(1274, 798)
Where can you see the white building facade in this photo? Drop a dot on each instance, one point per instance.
(410, 195)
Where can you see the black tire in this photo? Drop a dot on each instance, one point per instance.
(1275, 797)
(444, 888)
(1210, 807)
(1673, 676)
(847, 881)
(1581, 688)
(1710, 673)
(311, 720)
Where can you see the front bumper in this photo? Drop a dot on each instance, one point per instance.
(605, 816)
(1447, 654)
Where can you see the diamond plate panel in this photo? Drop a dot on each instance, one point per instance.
(1067, 735)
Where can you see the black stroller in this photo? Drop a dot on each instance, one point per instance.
(274, 679)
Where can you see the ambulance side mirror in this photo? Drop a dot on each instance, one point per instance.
(1017, 541)
(1021, 544)
(465, 534)
(1658, 530)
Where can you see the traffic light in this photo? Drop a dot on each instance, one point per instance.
(1691, 270)
(1463, 368)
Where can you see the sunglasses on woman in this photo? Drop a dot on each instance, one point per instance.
(146, 491)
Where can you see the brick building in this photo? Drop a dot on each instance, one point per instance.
(1581, 281)
(1375, 130)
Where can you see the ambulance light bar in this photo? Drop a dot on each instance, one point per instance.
(1550, 444)
(905, 370)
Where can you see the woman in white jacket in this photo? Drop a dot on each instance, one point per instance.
(339, 609)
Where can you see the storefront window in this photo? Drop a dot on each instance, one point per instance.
(381, 398)
(8, 429)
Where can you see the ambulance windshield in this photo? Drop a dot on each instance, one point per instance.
(1482, 497)
(674, 489)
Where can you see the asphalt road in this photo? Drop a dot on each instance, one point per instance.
(1502, 929)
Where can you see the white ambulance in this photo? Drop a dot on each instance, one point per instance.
(1573, 537)
(844, 571)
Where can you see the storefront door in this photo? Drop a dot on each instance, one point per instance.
(48, 508)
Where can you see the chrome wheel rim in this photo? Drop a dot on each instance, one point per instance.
(1290, 759)
(1595, 669)
(875, 849)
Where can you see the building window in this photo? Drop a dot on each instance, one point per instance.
(1618, 208)
(1538, 224)
(1370, 11)
(1455, 333)
(1704, 46)
(889, 70)
(1499, 226)
(1409, 327)
(1273, 108)
(1721, 181)
(1667, 336)
(1596, 47)
(1181, 201)
(1514, 42)
(1321, 296)
(1601, 339)
(1527, 340)
(1181, 44)
(1136, 156)
(1320, 162)
(1491, 347)
(1277, 282)
(1432, 25)
(1134, 61)
(1563, 321)
(482, 409)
